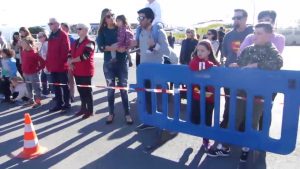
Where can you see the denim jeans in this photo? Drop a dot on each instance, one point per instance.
(62, 93)
(32, 84)
(111, 72)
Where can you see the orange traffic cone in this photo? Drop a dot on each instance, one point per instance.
(31, 148)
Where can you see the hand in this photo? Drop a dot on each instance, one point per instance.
(133, 44)
(121, 50)
(151, 42)
(70, 62)
(253, 65)
(233, 65)
(71, 67)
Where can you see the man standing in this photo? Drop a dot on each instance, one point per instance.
(231, 47)
(145, 41)
(65, 27)
(221, 35)
(155, 6)
(171, 40)
(56, 63)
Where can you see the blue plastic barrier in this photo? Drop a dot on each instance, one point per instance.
(254, 82)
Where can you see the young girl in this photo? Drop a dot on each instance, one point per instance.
(9, 70)
(203, 58)
(125, 37)
(31, 66)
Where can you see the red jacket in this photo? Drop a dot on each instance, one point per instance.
(32, 62)
(195, 66)
(58, 49)
(84, 50)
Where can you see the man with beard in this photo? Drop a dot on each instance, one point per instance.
(230, 48)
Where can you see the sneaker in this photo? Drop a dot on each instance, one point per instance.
(142, 127)
(244, 156)
(224, 152)
(36, 105)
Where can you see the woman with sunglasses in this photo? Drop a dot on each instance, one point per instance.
(107, 37)
(212, 36)
(81, 63)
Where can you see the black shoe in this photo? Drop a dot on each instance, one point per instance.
(54, 109)
(66, 107)
(218, 152)
(80, 113)
(72, 99)
(244, 156)
(142, 127)
(87, 115)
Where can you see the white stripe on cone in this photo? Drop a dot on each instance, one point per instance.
(29, 128)
(31, 143)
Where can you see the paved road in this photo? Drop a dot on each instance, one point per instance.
(88, 144)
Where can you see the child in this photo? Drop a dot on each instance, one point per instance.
(125, 37)
(31, 66)
(203, 58)
(18, 89)
(9, 70)
(261, 55)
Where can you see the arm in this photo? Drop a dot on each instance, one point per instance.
(272, 62)
(41, 62)
(224, 46)
(280, 43)
(103, 47)
(87, 53)
(164, 45)
(65, 47)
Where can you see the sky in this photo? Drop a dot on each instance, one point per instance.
(174, 12)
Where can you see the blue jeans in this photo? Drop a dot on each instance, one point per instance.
(111, 72)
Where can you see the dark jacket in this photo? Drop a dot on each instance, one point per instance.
(187, 48)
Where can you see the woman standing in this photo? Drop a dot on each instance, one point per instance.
(45, 74)
(81, 64)
(212, 36)
(107, 37)
(15, 46)
(188, 46)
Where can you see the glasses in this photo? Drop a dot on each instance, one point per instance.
(79, 29)
(110, 16)
(187, 32)
(40, 37)
(237, 17)
(209, 34)
(50, 24)
(141, 18)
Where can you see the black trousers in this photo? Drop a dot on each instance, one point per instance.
(85, 93)
(5, 87)
(19, 66)
(62, 93)
(196, 118)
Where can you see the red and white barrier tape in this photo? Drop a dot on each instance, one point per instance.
(166, 91)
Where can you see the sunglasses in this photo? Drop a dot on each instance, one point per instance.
(141, 18)
(40, 37)
(237, 17)
(79, 29)
(188, 32)
(50, 24)
(110, 16)
(209, 34)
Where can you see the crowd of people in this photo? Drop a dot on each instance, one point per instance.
(28, 72)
